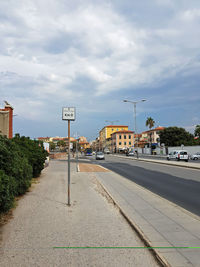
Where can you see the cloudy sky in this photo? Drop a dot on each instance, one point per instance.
(92, 54)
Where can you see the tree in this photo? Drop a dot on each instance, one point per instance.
(61, 144)
(175, 136)
(52, 145)
(150, 122)
(197, 131)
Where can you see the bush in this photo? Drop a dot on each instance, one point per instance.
(34, 152)
(15, 164)
(7, 189)
(20, 159)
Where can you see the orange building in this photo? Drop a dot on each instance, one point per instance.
(107, 131)
(122, 140)
(6, 121)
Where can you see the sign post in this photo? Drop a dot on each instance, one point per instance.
(69, 114)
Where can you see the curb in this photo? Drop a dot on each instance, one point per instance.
(161, 162)
(136, 228)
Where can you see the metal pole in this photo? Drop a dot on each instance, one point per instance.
(136, 142)
(68, 162)
(76, 153)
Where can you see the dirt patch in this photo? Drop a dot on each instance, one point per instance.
(99, 188)
(85, 167)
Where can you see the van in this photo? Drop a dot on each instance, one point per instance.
(178, 155)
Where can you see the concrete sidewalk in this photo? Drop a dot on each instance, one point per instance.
(172, 163)
(160, 222)
(43, 221)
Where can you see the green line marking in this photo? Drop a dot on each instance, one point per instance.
(125, 247)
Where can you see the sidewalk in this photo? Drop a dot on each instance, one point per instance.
(158, 221)
(172, 163)
(43, 221)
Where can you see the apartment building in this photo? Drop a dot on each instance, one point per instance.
(107, 131)
(122, 140)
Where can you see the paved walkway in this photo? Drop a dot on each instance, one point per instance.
(160, 222)
(42, 221)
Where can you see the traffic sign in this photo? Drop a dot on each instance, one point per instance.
(69, 113)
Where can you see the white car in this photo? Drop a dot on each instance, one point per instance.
(195, 156)
(100, 155)
(178, 155)
(172, 155)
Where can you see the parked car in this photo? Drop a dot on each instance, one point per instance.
(106, 151)
(130, 154)
(178, 155)
(100, 155)
(195, 156)
(172, 155)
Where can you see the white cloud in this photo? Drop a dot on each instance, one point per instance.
(51, 45)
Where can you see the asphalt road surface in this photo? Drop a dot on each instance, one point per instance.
(176, 184)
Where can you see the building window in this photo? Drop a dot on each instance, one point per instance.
(112, 130)
(125, 136)
(130, 143)
(125, 143)
(129, 136)
(120, 143)
(117, 129)
(120, 137)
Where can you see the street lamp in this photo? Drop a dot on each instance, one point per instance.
(112, 122)
(135, 103)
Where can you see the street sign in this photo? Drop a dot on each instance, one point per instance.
(69, 113)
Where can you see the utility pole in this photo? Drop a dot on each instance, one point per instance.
(134, 103)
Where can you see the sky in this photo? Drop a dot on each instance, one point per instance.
(93, 54)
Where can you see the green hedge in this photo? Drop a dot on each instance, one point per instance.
(20, 159)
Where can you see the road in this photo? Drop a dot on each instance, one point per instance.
(158, 157)
(178, 185)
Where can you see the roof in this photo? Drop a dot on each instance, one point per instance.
(112, 126)
(81, 142)
(159, 128)
(124, 131)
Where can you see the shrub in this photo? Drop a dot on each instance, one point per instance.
(7, 189)
(34, 152)
(20, 159)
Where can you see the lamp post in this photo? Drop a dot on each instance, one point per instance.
(135, 103)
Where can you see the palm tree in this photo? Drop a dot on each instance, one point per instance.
(150, 123)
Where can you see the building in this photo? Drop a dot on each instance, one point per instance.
(83, 143)
(122, 140)
(6, 121)
(106, 133)
(44, 139)
(150, 136)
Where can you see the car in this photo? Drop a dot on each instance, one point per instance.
(106, 151)
(100, 155)
(172, 155)
(182, 155)
(130, 154)
(195, 156)
(178, 155)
